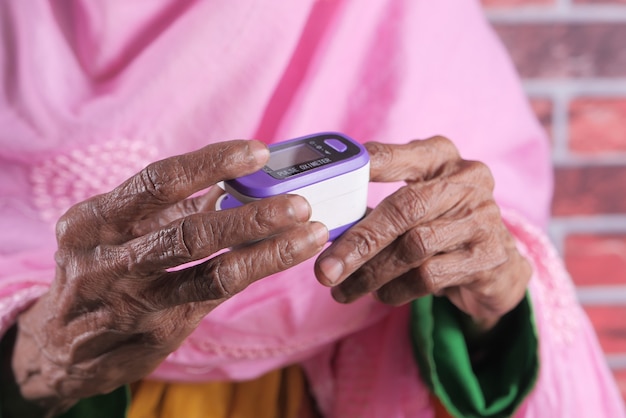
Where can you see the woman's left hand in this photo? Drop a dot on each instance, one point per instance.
(441, 234)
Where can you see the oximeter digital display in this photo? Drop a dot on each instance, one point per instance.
(328, 169)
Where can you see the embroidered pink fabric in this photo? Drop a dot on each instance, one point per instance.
(92, 91)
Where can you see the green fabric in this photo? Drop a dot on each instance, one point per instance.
(111, 405)
(492, 385)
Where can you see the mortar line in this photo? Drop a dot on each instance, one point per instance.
(616, 361)
(563, 6)
(611, 87)
(559, 227)
(609, 295)
(563, 11)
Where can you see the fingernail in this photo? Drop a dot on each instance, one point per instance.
(320, 232)
(259, 151)
(331, 268)
(301, 208)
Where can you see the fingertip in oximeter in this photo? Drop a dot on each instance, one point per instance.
(328, 169)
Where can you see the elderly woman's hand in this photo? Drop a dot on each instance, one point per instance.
(439, 234)
(117, 307)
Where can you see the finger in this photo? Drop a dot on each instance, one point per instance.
(419, 160)
(198, 204)
(168, 181)
(200, 235)
(459, 268)
(408, 253)
(414, 204)
(231, 272)
(156, 187)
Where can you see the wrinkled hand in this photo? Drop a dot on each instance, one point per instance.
(117, 308)
(441, 234)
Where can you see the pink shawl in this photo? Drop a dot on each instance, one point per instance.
(92, 91)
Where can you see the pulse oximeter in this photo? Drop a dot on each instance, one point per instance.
(330, 170)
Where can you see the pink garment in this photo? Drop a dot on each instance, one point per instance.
(92, 91)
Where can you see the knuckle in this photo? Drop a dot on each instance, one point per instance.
(74, 221)
(481, 168)
(132, 257)
(218, 281)
(408, 205)
(63, 228)
(419, 242)
(500, 253)
(489, 254)
(175, 240)
(166, 246)
(191, 233)
(484, 219)
(193, 205)
(154, 182)
(231, 156)
(209, 234)
(429, 276)
(491, 211)
(62, 258)
(286, 254)
(444, 145)
(479, 173)
(485, 175)
(364, 242)
(488, 286)
(105, 260)
(265, 215)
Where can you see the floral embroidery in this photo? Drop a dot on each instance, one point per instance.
(66, 179)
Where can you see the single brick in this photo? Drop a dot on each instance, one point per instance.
(608, 322)
(597, 125)
(589, 190)
(596, 259)
(566, 49)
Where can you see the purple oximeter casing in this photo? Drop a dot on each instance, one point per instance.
(329, 169)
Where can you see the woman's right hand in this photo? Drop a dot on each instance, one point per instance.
(116, 308)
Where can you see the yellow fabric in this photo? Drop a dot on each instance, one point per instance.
(278, 394)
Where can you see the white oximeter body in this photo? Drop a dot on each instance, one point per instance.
(329, 169)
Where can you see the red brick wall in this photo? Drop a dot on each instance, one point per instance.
(571, 55)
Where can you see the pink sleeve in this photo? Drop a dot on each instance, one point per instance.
(25, 277)
(574, 379)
